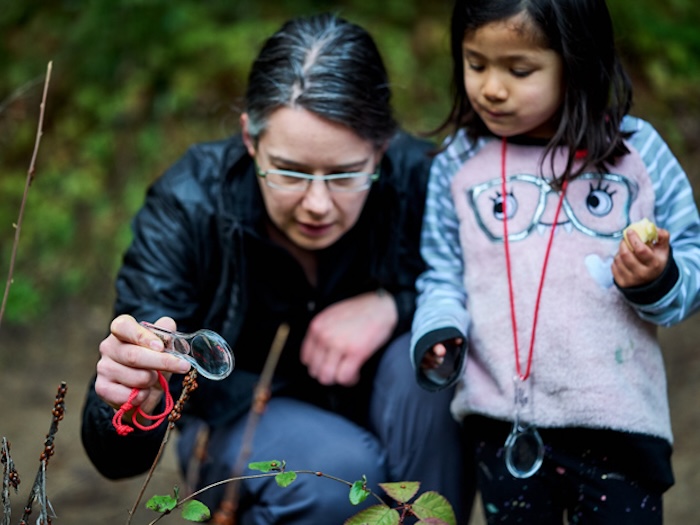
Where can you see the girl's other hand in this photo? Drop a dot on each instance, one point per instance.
(435, 357)
(642, 263)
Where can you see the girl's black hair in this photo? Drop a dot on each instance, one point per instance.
(598, 92)
(328, 66)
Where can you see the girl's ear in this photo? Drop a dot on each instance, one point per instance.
(247, 139)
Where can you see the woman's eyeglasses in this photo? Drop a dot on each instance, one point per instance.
(300, 182)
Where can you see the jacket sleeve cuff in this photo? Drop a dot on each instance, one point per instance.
(115, 456)
(654, 291)
(450, 369)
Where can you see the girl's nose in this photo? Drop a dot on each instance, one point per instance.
(493, 88)
(317, 199)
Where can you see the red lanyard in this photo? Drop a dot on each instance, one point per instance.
(504, 197)
(123, 429)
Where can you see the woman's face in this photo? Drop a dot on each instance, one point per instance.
(300, 141)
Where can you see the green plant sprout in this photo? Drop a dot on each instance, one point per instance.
(430, 507)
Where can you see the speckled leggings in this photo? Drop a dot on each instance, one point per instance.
(577, 483)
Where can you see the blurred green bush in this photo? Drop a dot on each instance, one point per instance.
(136, 81)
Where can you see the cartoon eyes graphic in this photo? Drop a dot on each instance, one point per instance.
(600, 199)
(595, 204)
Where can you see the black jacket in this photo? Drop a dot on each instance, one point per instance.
(200, 255)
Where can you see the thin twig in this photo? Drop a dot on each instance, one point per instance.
(189, 384)
(43, 505)
(227, 509)
(39, 487)
(10, 478)
(28, 183)
(17, 93)
(6, 507)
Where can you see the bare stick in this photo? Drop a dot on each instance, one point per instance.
(262, 393)
(17, 93)
(30, 178)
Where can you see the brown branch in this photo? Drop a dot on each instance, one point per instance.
(225, 515)
(29, 180)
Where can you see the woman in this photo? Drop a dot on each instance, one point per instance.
(309, 217)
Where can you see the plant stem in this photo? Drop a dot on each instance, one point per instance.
(257, 476)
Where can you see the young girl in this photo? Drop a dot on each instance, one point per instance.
(531, 298)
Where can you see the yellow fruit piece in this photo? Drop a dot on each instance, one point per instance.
(645, 230)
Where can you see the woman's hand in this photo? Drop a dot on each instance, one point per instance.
(643, 263)
(345, 335)
(130, 358)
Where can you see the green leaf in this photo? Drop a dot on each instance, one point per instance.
(161, 504)
(359, 491)
(401, 491)
(267, 466)
(375, 515)
(284, 479)
(194, 510)
(433, 505)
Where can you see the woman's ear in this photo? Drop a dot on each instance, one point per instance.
(247, 139)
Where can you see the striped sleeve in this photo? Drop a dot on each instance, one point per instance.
(676, 211)
(441, 303)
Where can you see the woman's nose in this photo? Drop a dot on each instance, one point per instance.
(317, 199)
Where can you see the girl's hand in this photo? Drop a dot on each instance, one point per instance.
(130, 358)
(434, 357)
(642, 263)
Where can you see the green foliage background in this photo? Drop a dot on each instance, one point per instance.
(135, 81)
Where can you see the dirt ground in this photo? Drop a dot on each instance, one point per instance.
(33, 362)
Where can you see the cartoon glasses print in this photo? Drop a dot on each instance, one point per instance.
(596, 204)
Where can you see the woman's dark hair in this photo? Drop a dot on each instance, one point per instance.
(328, 66)
(598, 92)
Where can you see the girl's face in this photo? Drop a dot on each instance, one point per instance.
(513, 83)
(300, 141)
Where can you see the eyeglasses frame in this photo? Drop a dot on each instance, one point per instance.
(325, 178)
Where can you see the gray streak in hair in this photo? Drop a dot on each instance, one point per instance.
(328, 66)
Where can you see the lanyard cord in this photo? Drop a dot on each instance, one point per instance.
(504, 197)
(124, 429)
